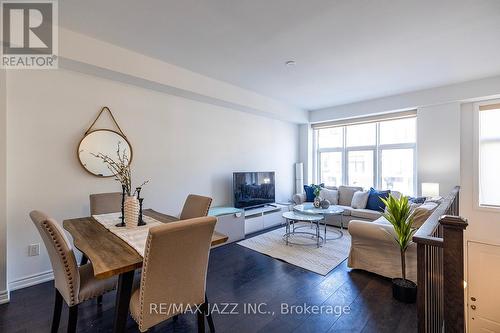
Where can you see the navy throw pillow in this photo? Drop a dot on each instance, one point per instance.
(374, 202)
(417, 200)
(309, 189)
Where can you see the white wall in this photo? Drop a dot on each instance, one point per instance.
(83, 53)
(484, 225)
(3, 172)
(438, 146)
(182, 146)
(464, 91)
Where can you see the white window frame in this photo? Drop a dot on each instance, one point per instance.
(476, 153)
(377, 155)
(317, 159)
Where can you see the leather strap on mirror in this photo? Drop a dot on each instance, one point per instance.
(112, 117)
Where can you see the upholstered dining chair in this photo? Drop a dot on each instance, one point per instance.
(72, 283)
(174, 273)
(103, 203)
(195, 206)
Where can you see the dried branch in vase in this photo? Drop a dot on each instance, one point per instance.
(120, 168)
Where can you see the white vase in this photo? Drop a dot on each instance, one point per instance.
(131, 208)
(317, 202)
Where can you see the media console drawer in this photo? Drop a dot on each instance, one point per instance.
(230, 222)
(253, 224)
(264, 217)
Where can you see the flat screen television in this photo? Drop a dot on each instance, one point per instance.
(253, 189)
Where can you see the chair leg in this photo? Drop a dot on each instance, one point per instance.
(57, 312)
(73, 318)
(208, 314)
(84, 260)
(99, 300)
(201, 322)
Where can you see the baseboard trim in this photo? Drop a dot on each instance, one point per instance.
(4, 296)
(31, 280)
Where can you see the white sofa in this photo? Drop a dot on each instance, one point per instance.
(344, 200)
(374, 250)
(373, 247)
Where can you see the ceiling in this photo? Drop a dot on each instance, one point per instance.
(345, 51)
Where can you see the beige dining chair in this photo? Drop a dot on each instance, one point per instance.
(72, 283)
(103, 203)
(195, 206)
(174, 273)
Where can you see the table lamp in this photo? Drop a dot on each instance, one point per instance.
(430, 190)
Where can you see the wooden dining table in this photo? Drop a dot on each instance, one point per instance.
(110, 256)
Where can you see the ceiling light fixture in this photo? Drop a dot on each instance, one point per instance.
(290, 63)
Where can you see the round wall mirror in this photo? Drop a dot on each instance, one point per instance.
(102, 141)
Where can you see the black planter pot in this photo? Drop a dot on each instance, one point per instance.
(404, 290)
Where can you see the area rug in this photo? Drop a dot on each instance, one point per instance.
(319, 260)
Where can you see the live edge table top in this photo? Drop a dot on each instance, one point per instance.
(109, 254)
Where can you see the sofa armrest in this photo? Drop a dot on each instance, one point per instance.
(380, 232)
(299, 198)
(374, 249)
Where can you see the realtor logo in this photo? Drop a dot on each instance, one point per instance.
(29, 34)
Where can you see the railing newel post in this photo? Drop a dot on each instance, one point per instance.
(453, 272)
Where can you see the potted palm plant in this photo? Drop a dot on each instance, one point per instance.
(398, 213)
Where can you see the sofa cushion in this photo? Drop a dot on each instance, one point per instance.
(437, 200)
(299, 198)
(346, 193)
(347, 210)
(331, 195)
(309, 189)
(374, 201)
(359, 199)
(366, 214)
(422, 213)
(382, 220)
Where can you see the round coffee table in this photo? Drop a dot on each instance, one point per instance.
(293, 217)
(309, 209)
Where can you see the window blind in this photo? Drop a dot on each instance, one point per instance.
(369, 119)
(489, 107)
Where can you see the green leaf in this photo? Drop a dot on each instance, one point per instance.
(398, 213)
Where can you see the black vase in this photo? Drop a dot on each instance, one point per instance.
(404, 290)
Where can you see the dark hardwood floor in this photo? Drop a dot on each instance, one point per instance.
(240, 275)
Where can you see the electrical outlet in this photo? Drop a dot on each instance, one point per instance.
(34, 250)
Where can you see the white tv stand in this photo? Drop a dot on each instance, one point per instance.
(261, 218)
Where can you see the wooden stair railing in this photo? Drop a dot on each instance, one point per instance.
(440, 269)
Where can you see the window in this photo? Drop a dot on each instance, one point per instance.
(360, 168)
(331, 168)
(361, 135)
(377, 154)
(397, 170)
(398, 131)
(489, 155)
(331, 137)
